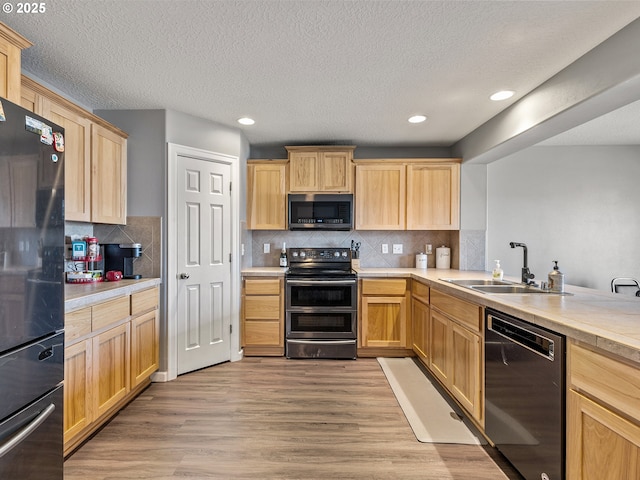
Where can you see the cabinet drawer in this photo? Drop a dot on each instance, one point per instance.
(77, 324)
(420, 291)
(262, 286)
(144, 301)
(257, 332)
(614, 382)
(109, 312)
(465, 313)
(262, 307)
(384, 286)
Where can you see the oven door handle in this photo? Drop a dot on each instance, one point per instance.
(321, 282)
(323, 342)
(22, 434)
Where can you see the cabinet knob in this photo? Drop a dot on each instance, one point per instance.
(184, 276)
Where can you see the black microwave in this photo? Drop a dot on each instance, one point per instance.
(322, 211)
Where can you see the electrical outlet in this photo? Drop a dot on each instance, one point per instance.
(385, 248)
(397, 248)
(242, 249)
(267, 248)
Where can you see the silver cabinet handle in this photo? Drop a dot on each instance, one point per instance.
(184, 276)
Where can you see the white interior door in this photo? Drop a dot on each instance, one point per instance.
(203, 268)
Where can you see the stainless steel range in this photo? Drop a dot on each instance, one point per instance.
(321, 304)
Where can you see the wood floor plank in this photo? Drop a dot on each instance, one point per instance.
(273, 418)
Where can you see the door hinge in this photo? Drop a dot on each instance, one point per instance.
(230, 184)
(230, 328)
(229, 258)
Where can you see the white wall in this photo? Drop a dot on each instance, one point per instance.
(577, 205)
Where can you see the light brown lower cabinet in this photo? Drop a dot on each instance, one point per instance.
(111, 351)
(263, 316)
(385, 319)
(456, 355)
(420, 320)
(603, 408)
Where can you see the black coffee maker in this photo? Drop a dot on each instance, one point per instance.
(120, 256)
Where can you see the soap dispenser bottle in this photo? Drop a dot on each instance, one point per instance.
(497, 271)
(556, 279)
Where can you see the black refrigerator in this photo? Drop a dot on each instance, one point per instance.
(31, 295)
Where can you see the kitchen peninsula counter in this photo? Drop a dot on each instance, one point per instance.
(605, 320)
(80, 295)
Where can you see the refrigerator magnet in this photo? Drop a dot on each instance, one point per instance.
(3, 118)
(58, 142)
(46, 136)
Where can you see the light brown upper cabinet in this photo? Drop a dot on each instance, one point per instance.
(95, 157)
(11, 46)
(380, 196)
(402, 194)
(321, 169)
(266, 194)
(433, 196)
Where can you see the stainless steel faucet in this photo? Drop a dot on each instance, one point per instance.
(527, 276)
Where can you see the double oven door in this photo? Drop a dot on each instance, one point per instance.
(321, 317)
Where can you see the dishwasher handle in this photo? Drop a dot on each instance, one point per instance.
(537, 343)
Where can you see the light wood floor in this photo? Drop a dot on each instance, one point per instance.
(272, 418)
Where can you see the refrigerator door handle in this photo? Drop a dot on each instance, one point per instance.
(27, 430)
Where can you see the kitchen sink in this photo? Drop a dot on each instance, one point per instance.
(476, 282)
(507, 289)
(487, 285)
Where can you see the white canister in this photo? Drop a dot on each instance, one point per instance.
(443, 257)
(421, 261)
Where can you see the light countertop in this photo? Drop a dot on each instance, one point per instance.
(80, 295)
(602, 319)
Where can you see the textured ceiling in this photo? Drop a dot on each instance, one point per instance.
(314, 71)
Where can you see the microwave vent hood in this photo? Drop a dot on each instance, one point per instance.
(320, 211)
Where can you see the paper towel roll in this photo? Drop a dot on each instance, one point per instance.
(443, 257)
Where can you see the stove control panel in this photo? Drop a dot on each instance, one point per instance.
(319, 255)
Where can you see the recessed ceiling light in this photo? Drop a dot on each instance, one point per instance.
(246, 121)
(502, 95)
(417, 119)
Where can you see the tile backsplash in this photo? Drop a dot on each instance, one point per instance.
(371, 255)
(144, 230)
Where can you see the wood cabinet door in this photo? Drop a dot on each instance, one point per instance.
(266, 196)
(600, 444)
(380, 197)
(433, 197)
(10, 66)
(335, 172)
(77, 158)
(145, 357)
(303, 171)
(384, 322)
(420, 326)
(108, 176)
(30, 100)
(466, 367)
(439, 345)
(78, 403)
(111, 367)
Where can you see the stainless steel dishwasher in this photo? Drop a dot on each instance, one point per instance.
(525, 399)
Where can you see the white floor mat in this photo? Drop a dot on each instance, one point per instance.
(430, 416)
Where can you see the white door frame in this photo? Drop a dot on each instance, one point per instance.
(174, 151)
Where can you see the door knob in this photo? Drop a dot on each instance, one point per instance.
(184, 276)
